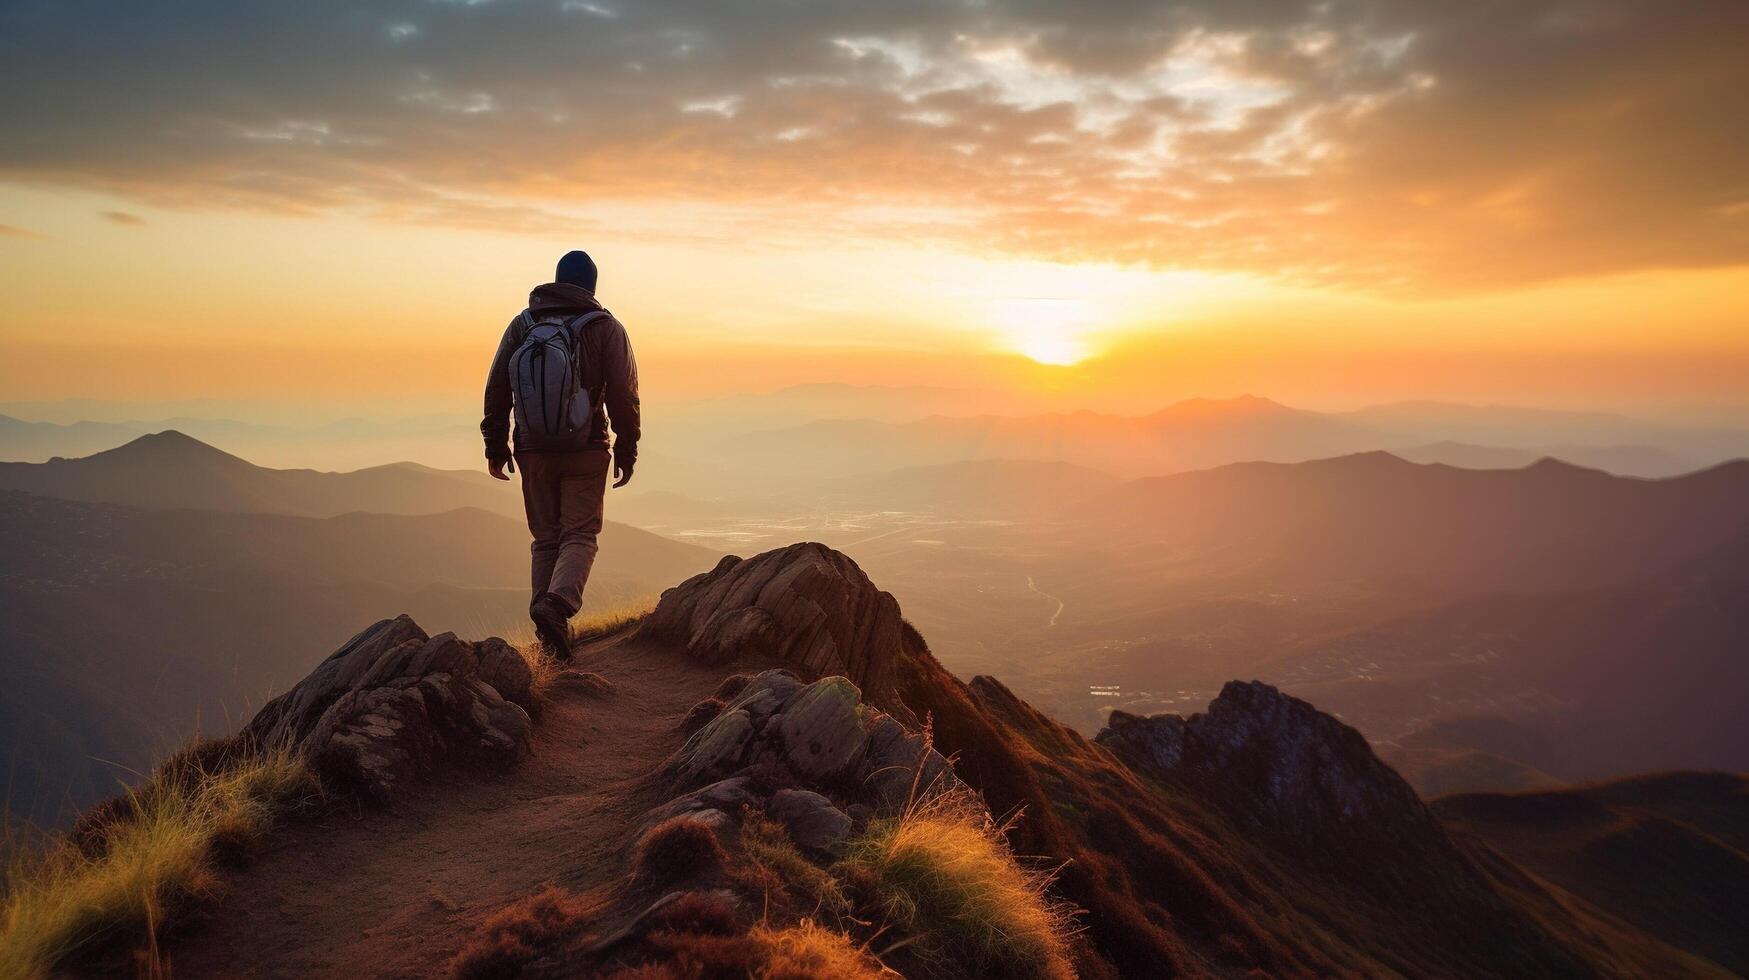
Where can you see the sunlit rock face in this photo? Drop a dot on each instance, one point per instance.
(805, 605)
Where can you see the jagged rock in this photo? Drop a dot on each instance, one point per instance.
(818, 737)
(1156, 739)
(394, 702)
(820, 729)
(1277, 763)
(725, 796)
(813, 823)
(890, 767)
(764, 693)
(805, 604)
(719, 747)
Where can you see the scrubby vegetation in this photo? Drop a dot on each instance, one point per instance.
(810, 950)
(519, 933)
(601, 622)
(678, 849)
(777, 871)
(933, 892)
(150, 855)
(943, 876)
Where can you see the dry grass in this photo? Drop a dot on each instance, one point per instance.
(806, 950)
(600, 622)
(144, 867)
(520, 934)
(775, 864)
(944, 877)
(678, 849)
(584, 627)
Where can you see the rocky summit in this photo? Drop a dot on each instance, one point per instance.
(1274, 763)
(805, 605)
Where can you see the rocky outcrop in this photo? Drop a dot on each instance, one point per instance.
(777, 738)
(805, 605)
(394, 702)
(1275, 763)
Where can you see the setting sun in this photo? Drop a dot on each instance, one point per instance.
(1050, 330)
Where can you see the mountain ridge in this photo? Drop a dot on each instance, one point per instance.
(1198, 846)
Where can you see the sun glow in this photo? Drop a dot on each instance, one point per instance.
(1050, 330)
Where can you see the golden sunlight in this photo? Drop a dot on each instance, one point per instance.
(1050, 330)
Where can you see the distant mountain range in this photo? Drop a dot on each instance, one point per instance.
(1375, 516)
(170, 469)
(1430, 605)
(1599, 618)
(770, 442)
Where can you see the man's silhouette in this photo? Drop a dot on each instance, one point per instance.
(563, 368)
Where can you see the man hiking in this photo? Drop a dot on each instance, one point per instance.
(563, 369)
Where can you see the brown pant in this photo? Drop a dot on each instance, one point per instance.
(562, 494)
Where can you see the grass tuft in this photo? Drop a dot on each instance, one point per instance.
(809, 950)
(521, 933)
(144, 866)
(678, 849)
(775, 865)
(944, 877)
(600, 622)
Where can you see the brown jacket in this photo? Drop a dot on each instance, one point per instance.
(612, 377)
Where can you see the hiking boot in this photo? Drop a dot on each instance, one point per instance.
(552, 623)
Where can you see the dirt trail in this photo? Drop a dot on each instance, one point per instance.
(396, 894)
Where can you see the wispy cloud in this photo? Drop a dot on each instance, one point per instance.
(1400, 145)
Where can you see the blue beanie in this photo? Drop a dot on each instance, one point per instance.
(576, 269)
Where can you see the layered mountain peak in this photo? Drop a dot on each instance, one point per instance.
(1275, 763)
(170, 447)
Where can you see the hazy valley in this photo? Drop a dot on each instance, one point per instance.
(1482, 626)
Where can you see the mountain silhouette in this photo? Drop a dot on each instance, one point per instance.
(1376, 516)
(171, 470)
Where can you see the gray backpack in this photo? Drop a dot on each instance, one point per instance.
(548, 372)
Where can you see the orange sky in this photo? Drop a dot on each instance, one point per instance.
(1331, 205)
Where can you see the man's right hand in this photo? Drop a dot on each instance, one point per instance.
(497, 467)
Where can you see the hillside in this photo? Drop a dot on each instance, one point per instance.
(674, 806)
(1374, 516)
(171, 470)
(1667, 852)
(126, 629)
(1580, 685)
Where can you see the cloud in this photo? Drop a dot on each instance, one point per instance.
(122, 218)
(1407, 145)
(11, 231)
